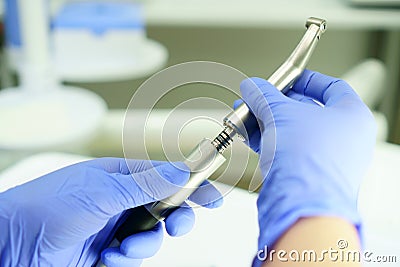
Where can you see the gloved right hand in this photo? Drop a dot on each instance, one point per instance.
(321, 152)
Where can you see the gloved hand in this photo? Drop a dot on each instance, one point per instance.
(321, 152)
(64, 218)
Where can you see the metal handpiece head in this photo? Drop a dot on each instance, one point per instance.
(284, 77)
(321, 23)
(241, 120)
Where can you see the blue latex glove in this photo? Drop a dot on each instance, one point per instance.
(64, 218)
(321, 152)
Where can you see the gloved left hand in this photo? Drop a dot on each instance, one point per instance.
(66, 217)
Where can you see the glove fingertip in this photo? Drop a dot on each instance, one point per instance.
(254, 89)
(144, 244)
(237, 103)
(181, 166)
(216, 204)
(112, 257)
(179, 230)
(207, 196)
(180, 222)
(249, 84)
(109, 253)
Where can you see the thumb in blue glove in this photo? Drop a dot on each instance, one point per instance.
(64, 218)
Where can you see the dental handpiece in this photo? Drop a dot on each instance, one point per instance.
(207, 157)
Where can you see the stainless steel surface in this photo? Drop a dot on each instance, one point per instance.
(241, 119)
(284, 77)
(203, 161)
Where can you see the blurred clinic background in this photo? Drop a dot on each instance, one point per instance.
(68, 70)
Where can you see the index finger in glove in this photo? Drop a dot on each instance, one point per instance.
(326, 89)
(259, 95)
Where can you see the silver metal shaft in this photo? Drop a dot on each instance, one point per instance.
(203, 161)
(241, 120)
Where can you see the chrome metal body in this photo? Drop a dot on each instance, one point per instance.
(241, 120)
(203, 161)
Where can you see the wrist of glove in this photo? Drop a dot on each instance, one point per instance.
(324, 137)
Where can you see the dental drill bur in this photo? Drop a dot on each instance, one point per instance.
(207, 157)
